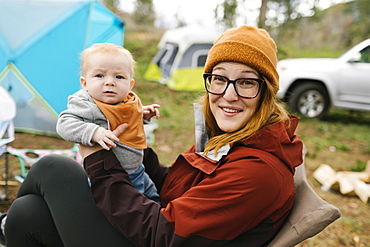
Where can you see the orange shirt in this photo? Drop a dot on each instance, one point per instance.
(129, 112)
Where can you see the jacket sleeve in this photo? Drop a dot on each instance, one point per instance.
(156, 171)
(134, 215)
(75, 124)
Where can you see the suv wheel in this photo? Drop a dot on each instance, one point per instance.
(309, 99)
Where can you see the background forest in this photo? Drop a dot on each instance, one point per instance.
(297, 23)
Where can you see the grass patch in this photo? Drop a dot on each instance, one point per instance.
(341, 134)
(358, 166)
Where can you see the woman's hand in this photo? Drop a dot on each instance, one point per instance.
(86, 150)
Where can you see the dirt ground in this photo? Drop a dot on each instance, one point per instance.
(352, 229)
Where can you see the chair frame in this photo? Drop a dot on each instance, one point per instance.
(27, 157)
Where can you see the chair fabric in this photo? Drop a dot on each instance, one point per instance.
(309, 216)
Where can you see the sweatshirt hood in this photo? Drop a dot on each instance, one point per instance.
(280, 140)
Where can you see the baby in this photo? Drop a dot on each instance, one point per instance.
(105, 102)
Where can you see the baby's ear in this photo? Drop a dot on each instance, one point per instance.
(83, 82)
(132, 83)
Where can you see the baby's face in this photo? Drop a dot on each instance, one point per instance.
(108, 77)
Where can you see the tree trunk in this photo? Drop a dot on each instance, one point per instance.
(262, 16)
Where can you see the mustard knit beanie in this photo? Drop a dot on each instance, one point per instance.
(247, 45)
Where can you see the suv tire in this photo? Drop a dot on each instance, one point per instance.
(309, 99)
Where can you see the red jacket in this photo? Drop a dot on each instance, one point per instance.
(241, 200)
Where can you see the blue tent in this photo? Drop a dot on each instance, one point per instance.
(40, 43)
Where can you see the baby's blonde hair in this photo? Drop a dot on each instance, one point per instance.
(106, 48)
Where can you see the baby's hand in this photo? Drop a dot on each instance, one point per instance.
(150, 111)
(105, 138)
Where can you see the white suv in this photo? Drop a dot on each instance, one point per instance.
(311, 85)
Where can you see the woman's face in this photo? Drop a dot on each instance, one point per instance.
(231, 111)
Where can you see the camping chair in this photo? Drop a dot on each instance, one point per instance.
(309, 216)
(27, 157)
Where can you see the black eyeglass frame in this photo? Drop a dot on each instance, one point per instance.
(258, 80)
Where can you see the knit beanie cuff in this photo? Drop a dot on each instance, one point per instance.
(247, 45)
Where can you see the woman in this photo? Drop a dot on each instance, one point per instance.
(236, 192)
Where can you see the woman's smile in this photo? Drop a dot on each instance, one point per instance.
(230, 110)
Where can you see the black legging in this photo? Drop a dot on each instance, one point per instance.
(55, 207)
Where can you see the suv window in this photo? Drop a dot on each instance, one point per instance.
(365, 55)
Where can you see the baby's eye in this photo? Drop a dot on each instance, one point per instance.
(99, 75)
(120, 77)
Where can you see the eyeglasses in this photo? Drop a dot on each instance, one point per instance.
(247, 88)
